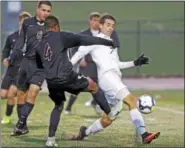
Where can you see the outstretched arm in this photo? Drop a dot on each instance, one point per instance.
(138, 62)
(72, 40)
(125, 65)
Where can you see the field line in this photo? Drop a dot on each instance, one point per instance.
(170, 110)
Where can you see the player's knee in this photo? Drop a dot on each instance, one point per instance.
(59, 106)
(93, 87)
(33, 90)
(12, 92)
(11, 101)
(131, 101)
(21, 96)
(4, 94)
(105, 120)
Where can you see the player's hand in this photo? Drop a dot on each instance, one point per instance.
(141, 60)
(5, 62)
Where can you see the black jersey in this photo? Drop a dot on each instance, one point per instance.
(53, 57)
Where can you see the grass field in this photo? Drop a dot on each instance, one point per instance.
(168, 117)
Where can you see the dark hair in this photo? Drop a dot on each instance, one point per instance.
(105, 17)
(94, 14)
(51, 21)
(48, 3)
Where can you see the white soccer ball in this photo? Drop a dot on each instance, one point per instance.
(146, 103)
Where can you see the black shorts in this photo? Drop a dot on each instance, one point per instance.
(75, 86)
(10, 77)
(29, 74)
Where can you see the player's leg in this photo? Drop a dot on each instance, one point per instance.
(100, 96)
(21, 97)
(100, 124)
(122, 93)
(137, 119)
(35, 83)
(7, 81)
(71, 101)
(94, 103)
(92, 87)
(58, 97)
(112, 85)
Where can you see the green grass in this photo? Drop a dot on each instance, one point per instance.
(120, 134)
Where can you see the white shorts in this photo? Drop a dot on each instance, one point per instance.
(113, 87)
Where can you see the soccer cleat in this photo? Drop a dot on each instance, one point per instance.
(20, 129)
(81, 135)
(51, 142)
(67, 112)
(6, 120)
(150, 136)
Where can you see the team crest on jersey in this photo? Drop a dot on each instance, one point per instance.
(40, 24)
(39, 35)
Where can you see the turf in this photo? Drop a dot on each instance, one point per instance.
(120, 134)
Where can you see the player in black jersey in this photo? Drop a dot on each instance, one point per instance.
(30, 77)
(52, 55)
(8, 86)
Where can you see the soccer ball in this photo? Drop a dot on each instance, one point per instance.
(145, 104)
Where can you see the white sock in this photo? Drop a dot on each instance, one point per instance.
(52, 139)
(94, 128)
(138, 121)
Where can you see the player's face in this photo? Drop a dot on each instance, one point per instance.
(95, 23)
(43, 12)
(108, 27)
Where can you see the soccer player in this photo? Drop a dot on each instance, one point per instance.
(52, 55)
(8, 88)
(110, 82)
(87, 66)
(30, 77)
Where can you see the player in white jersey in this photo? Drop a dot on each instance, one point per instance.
(109, 75)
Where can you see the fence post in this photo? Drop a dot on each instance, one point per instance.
(138, 42)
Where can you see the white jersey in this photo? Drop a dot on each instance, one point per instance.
(105, 57)
(108, 68)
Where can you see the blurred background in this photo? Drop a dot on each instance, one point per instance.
(153, 28)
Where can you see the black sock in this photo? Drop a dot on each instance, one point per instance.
(19, 108)
(99, 97)
(25, 111)
(144, 135)
(54, 120)
(9, 109)
(72, 99)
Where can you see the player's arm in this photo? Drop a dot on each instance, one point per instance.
(122, 65)
(82, 52)
(125, 65)
(6, 52)
(72, 40)
(20, 43)
(6, 49)
(138, 62)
